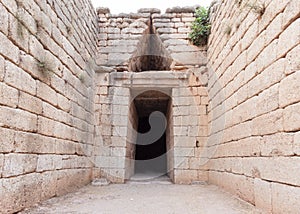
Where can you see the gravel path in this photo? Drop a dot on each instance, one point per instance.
(151, 197)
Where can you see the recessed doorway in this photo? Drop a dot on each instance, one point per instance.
(152, 112)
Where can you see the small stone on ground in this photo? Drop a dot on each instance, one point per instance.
(100, 182)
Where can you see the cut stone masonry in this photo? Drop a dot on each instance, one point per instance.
(75, 82)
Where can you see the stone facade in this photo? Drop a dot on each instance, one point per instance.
(126, 44)
(70, 76)
(187, 116)
(123, 39)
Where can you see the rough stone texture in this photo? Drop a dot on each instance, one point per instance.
(118, 116)
(254, 73)
(149, 10)
(181, 10)
(130, 42)
(233, 118)
(153, 43)
(46, 119)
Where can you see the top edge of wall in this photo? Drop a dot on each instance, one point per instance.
(187, 9)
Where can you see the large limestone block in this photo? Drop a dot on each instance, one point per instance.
(49, 162)
(268, 123)
(190, 58)
(285, 199)
(182, 48)
(263, 195)
(30, 103)
(118, 58)
(288, 39)
(291, 118)
(20, 79)
(133, 30)
(18, 164)
(279, 169)
(293, 63)
(184, 152)
(8, 95)
(181, 163)
(4, 20)
(288, 90)
(163, 24)
(16, 118)
(185, 141)
(277, 144)
(185, 176)
(8, 49)
(7, 139)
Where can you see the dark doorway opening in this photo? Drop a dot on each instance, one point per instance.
(151, 145)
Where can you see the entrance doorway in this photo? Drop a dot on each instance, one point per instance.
(152, 109)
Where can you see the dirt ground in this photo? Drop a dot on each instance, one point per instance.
(145, 197)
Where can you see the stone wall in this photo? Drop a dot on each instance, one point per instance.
(254, 76)
(190, 129)
(127, 41)
(46, 99)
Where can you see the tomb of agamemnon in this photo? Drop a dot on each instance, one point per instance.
(85, 94)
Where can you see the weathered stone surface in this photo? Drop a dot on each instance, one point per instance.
(18, 164)
(4, 20)
(7, 138)
(185, 176)
(117, 58)
(261, 91)
(260, 124)
(149, 10)
(181, 10)
(46, 93)
(50, 121)
(103, 10)
(291, 118)
(182, 48)
(293, 61)
(8, 95)
(289, 194)
(20, 79)
(8, 49)
(289, 38)
(30, 103)
(15, 118)
(48, 162)
(288, 88)
(55, 50)
(34, 143)
(2, 68)
(263, 194)
(277, 145)
(163, 24)
(184, 152)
